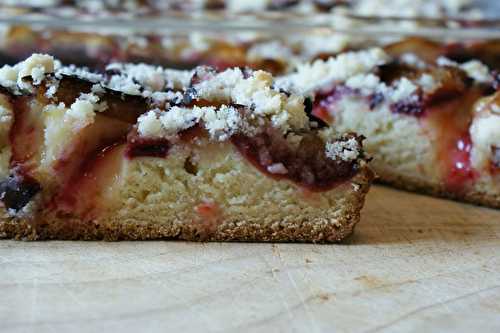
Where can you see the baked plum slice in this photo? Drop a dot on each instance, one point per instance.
(27, 136)
(17, 190)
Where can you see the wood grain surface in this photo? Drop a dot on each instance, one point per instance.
(415, 264)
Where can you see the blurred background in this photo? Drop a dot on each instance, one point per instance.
(275, 35)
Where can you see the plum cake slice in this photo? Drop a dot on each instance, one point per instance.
(431, 126)
(141, 152)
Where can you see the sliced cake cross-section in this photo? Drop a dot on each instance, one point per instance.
(142, 152)
(431, 126)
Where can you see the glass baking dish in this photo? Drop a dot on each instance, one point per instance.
(275, 40)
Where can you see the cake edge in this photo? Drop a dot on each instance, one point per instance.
(240, 231)
(403, 182)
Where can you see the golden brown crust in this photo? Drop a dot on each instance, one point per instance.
(281, 231)
(414, 185)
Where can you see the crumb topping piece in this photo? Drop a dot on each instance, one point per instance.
(82, 111)
(403, 84)
(134, 79)
(358, 71)
(229, 92)
(36, 66)
(322, 74)
(166, 89)
(220, 122)
(474, 69)
(225, 104)
(256, 92)
(81, 73)
(346, 150)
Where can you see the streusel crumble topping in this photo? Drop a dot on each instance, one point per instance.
(234, 101)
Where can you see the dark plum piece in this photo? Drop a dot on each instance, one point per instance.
(496, 80)
(326, 100)
(144, 147)
(16, 191)
(306, 165)
(308, 108)
(215, 5)
(121, 106)
(189, 96)
(282, 4)
(70, 87)
(327, 5)
(148, 148)
(395, 70)
(410, 106)
(485, 51)
(495, 159)
(375, 100)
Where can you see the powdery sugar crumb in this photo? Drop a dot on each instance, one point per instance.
(220, 122)
(348, 150)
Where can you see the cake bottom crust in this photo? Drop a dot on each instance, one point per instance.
(405, 182)
(295, 229)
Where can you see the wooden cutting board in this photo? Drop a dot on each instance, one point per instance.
(415, 264)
